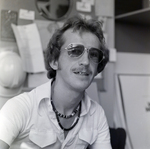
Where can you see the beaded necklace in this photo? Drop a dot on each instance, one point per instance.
(64, 116)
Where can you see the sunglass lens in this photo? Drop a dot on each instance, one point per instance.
(96, 55)
(76, 51)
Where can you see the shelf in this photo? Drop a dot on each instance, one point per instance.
(141, 17)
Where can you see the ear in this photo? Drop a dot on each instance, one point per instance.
(54, 64)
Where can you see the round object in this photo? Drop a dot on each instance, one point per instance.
(12, 75)
(55, 10)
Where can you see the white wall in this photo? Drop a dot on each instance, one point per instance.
(133, 63)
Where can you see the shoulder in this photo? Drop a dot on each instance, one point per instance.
(17, 105)
(95, 107)
(23, 103)
(29, 100)
(96, 111)
(19, 100)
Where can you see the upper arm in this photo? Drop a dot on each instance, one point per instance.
(3, 145)
(13, 117)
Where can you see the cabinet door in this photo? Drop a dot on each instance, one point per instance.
(135, 103)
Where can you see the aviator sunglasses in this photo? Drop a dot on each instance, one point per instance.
(77, 50)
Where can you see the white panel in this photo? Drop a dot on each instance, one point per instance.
(134, 103)
(133, 63)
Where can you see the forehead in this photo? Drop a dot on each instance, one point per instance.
(88, 39)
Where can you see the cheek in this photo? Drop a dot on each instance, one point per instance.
(94, 69)
(63, 63)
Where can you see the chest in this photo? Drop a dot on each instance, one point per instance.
(45, 133)
(68, 124)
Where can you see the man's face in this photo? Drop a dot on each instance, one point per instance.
(77, 73)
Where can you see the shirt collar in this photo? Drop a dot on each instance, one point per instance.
(88, 105)
(44, 92)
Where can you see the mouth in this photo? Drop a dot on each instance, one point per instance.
(82, 73)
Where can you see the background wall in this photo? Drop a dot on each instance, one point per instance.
(16, 5)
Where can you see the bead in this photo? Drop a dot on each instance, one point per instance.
(62, 115)
(67, 129)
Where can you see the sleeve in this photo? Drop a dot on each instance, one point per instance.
(13, 117)
(103, 138)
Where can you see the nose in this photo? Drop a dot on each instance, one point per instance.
(84, 59)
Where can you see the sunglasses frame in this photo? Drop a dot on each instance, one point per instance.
(72, 45)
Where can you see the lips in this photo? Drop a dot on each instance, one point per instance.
(82, 73)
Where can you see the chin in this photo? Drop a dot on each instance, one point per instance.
(82, 82)
(81, 86)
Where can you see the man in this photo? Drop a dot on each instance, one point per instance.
(60, 114)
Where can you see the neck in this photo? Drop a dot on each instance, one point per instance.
(65, 100)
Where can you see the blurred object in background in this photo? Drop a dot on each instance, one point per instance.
(12, 76)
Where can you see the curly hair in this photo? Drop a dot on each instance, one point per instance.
(81, 25)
